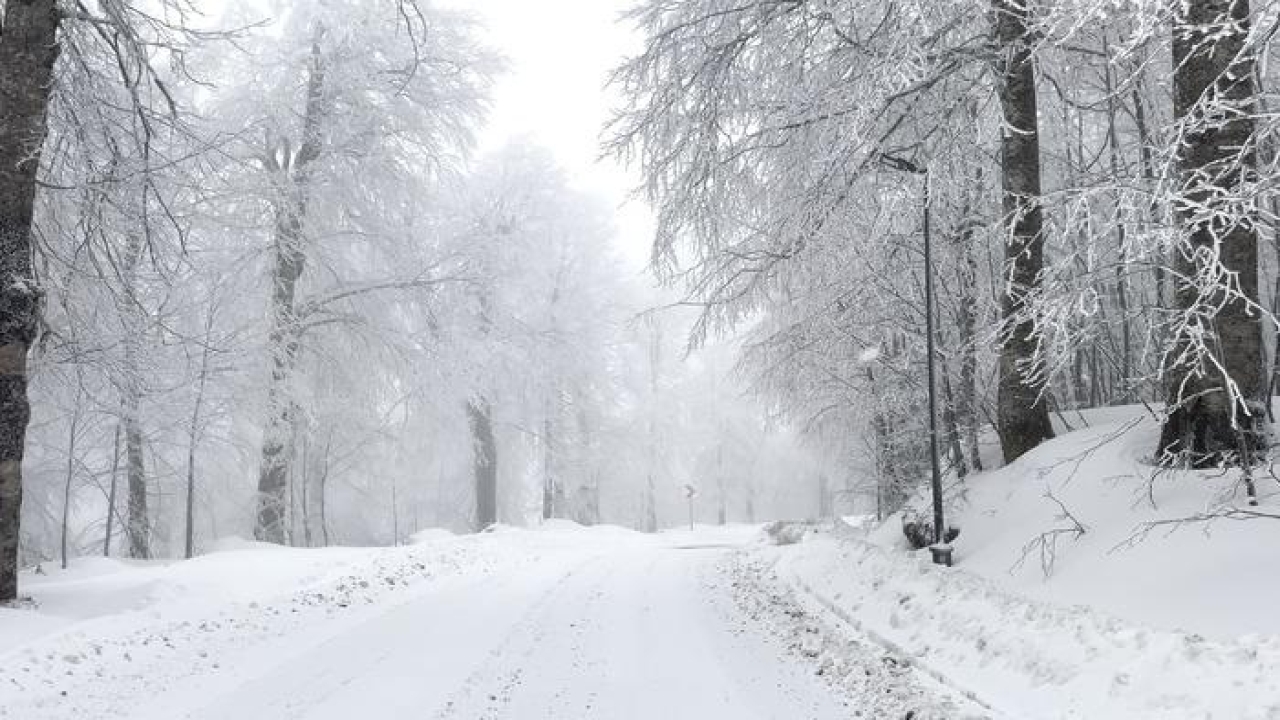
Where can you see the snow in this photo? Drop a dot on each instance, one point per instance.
(562, 622)
(567, 621)
(1026, 658)
(1117, 622)
(1206, 578)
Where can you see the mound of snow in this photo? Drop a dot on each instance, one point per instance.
(235, 543)
(431, 536)
(560, 525)
(1086, 519)
(1022, 657)
(1088, 584)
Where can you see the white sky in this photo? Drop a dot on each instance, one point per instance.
(559, 54)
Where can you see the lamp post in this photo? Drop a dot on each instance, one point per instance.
(940, 550)
(690, 492)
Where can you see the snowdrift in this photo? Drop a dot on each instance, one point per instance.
(1086, 519)
(1088, 584)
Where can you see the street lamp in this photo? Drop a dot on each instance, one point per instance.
(940, 549)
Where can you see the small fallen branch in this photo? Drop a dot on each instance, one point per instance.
(1046, 543)
(1174, 524)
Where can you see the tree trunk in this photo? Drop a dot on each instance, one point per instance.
(1214, 101)
(655, 369)
(193, 437)
(1023, 416)
(138, 520)
(1147, 163)
(290, 259)
(1122, 266)
(28, 49)
(548, 478)
(71, 467)
(133, 326)
(305, 487)
(722, 512)
(485, 462)
(322, 488)
(950, 426)
(967, 320)
(650, 505)
(111, 493)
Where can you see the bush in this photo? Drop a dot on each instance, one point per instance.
(919, 532)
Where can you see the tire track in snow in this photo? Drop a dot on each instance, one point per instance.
(497, 676)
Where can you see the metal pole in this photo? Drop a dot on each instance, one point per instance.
(940, 556)
(941, 553)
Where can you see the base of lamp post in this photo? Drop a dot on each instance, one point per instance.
(941, 554)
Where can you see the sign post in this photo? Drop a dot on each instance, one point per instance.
(690, 492)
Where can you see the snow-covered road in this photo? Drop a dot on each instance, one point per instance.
(627, 634)
(580, 626)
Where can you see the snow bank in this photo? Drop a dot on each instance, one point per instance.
(101, 644)
(1025, 658)
(1085, 519)
(1087, 585)
(431, 535)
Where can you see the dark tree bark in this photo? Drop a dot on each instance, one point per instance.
(1022, 414)
(485, 462)
(1215, 103)
(1127, 394)
(28, 50)
(290, 260)
(137, 520)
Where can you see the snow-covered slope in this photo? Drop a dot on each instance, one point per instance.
(1077, 591)
(1133, 558)
(1219, 578)
(1025, 658)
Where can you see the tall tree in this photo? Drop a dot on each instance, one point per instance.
(485, 461)
(1215, 365)
(28, 50)
(138, 524)
(294, 172)
(1022, 411)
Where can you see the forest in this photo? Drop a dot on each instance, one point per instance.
(1096, 180)
(270, 278)
(263, 283)
(244, 246)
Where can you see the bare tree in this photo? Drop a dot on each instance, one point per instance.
(1023, 413)
(28, 49)
(1215, 367)
(294, 171)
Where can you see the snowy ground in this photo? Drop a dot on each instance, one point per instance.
(1087, 585)
(576, 623)
(560, 623)
(1132, 557)
(1021, 657)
